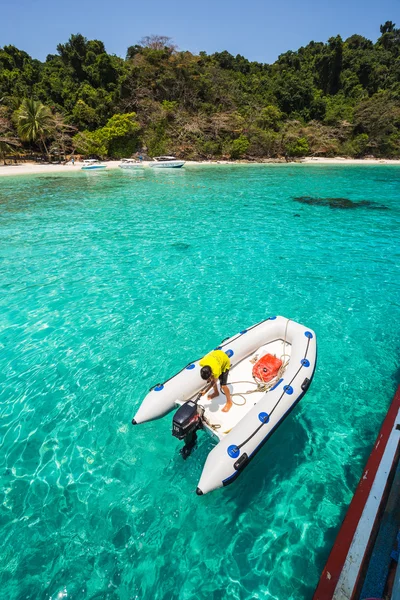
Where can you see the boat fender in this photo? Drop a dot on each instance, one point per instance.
(306, 384)
(241, 462)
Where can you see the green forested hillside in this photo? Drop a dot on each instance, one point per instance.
(336, 98)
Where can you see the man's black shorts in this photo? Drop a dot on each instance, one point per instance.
(223, 378)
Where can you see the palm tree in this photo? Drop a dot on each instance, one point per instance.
(35, 122)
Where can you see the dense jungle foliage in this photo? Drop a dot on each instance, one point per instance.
(336, 98)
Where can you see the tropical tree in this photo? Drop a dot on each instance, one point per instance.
(297, 147)
(35, 122)
(62, 135)
(8, 140)
(7, 146)
(118, 138)
(157, 42)
(239, 147)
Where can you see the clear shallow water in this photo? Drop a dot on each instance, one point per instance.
(109, 283)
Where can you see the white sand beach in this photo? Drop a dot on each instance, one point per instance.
(31, 168)
(339, 160)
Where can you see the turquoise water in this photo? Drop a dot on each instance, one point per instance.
(111, 282)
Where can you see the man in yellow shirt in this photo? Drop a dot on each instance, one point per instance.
(216, 365)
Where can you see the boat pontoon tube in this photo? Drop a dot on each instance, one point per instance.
(237, 446)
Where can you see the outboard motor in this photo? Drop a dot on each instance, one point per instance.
(186, 421)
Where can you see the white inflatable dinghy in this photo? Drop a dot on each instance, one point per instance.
(260, 403)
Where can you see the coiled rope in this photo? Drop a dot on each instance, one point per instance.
(261, 386)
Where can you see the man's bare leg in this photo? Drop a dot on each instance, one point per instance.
(227, 393)
(215, 393)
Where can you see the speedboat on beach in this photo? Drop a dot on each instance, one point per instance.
(166, 162)
(91, 164)
(130, 163)
(272, 365)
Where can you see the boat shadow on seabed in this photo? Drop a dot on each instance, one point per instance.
(273, 465)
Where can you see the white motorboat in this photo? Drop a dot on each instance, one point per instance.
(166, 162)
(91, 164)
(272, 365)
(130, 163)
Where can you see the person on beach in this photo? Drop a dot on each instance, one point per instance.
(216, 365)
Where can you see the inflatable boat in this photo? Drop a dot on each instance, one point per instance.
(272, 365)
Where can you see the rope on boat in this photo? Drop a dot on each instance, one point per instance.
(261, 386)
(276, 403)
